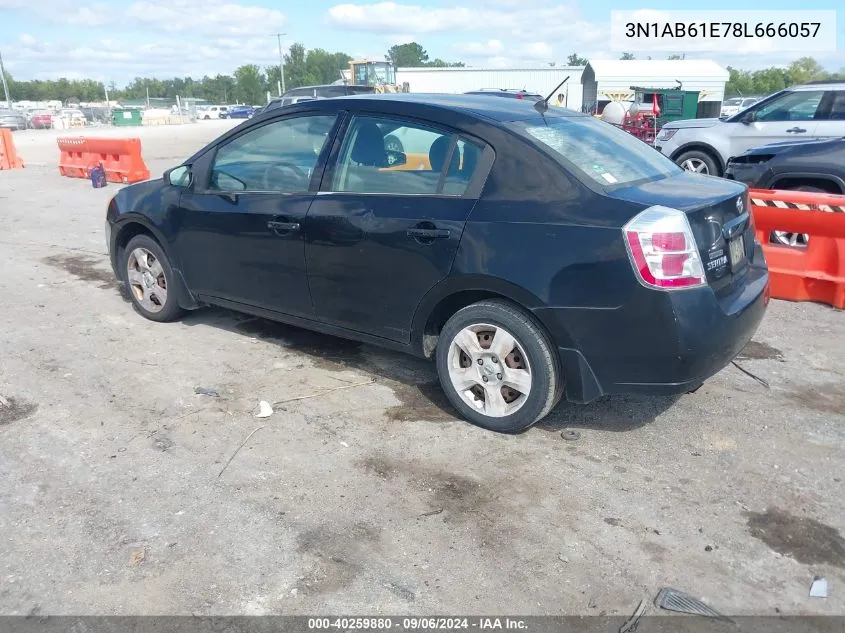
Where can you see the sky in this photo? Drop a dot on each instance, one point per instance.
(113, 41)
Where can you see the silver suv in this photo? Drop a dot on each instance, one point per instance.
(807, 111)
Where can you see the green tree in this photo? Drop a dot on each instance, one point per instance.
(575, 59)
(407, 55)
(296, 68)
(249, 82)
(806, 69)
(627, 56)
(324, 66)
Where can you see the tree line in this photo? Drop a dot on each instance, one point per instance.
(250, 83)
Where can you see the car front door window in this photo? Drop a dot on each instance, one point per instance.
(278, 157)
(793, 106)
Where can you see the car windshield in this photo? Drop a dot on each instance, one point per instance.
(733, 102)
(598, 150)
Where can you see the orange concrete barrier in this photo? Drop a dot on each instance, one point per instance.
(120, 157)
(9, 158)
(814, 273)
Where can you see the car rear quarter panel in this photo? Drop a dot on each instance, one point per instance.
(539, 229)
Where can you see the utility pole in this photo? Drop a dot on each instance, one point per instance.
(5, 85)
(281, 64)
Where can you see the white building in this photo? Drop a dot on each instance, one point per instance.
(456, 80)
(609, 80)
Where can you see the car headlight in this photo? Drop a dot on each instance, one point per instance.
(665, 134)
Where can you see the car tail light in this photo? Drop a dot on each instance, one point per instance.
(663, 250)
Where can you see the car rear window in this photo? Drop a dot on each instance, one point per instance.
(598, 150)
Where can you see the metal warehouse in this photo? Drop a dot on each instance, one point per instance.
(611, 80)
(457, 80)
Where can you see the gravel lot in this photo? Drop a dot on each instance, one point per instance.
(374, 498)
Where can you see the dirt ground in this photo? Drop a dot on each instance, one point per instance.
(119, 493)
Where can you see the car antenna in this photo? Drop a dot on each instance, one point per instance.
(543, 105)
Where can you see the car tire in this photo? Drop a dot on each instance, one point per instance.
(468, 352)
(699, 162)
(150, 282)
(797, 240)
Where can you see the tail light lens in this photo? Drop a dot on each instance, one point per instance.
(663, 249)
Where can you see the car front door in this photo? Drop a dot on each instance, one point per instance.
(385, 229)
(792, 115)
(239, 226)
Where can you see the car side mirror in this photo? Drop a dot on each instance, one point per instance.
(178, 176)
(395, 159)
(748, 117)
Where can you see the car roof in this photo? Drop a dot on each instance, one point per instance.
(480, 106)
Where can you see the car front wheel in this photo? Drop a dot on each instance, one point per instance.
(699, 162)
(498, 367)
(149, 279)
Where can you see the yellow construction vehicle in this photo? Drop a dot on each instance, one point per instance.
(380, 75)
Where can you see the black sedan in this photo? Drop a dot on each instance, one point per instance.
(533, 254)
(810, 165)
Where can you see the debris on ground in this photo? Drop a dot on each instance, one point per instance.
(631, 625)
(819, 588)
(4, 402)
(432, 512)
(137, 557)
(674, 600)
(237, 450)
(264, 410)
(763, 382)
(570, 435)
(325, 391)
(206, 391)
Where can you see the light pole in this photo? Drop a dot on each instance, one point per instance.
(5, 85)
(281, 63)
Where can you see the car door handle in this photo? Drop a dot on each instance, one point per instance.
(429, 234)
(277, 227)
(796, 130)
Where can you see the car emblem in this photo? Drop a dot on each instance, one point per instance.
(740, 206)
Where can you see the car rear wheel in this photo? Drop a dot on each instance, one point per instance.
(498, 367)
(149, 279)
(699, 162)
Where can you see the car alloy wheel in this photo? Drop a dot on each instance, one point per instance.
(695, 164)
(490, 370)
(146, 279)
(498, 367)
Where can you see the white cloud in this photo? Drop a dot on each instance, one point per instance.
(108, 60)
(206, 17)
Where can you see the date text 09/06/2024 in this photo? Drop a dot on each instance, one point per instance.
(416, 624)
(721, 30)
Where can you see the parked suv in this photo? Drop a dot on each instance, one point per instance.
(809, 111)
(307, 93)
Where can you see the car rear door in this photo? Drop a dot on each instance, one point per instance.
(792, 115)
(831, 117)
(384, 230)
(238, 227)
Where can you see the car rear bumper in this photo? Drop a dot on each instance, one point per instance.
(660, 343)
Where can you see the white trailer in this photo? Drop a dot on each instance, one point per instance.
(457, 80)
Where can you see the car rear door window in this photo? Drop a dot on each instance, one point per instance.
(280, 156)
(386, 156)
